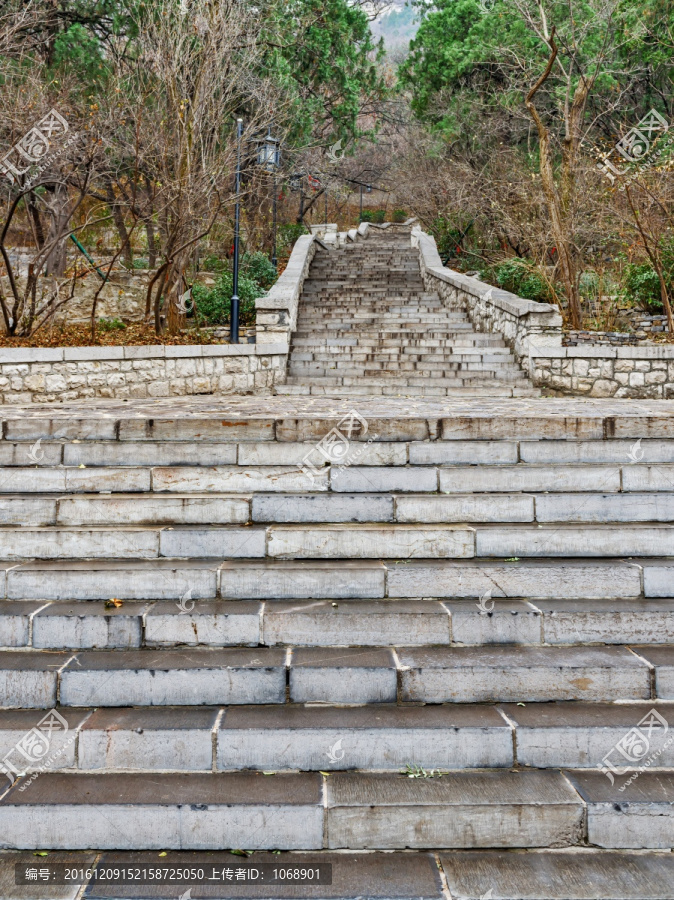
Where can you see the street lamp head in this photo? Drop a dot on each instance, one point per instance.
(269, 152)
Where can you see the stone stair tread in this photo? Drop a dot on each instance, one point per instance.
(97, 625)
(185, 676)
(258, 811)
(578, 874)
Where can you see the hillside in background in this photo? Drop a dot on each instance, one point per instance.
(397, 24)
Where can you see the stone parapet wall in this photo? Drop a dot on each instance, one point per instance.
(276, 312)
(490, 309)
(533, 331)
(48, 375)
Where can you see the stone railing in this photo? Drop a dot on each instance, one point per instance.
(276, 312)
(533, 331)
(490, 309)
(601, 370)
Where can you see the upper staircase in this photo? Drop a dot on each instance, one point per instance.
(366, 325)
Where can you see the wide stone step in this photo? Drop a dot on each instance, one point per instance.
(402, 391)
(288, 811)
(77, 625)
(462, 810)
(333, 738)
(339, 540)
(210, 676)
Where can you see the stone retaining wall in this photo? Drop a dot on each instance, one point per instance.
(600, 370)
(533, 331)
(48, 375)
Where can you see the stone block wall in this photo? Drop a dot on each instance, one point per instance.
(49, 375)
(645, 372)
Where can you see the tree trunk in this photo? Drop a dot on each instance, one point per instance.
(120, 225)
(59, 213)
(558, 220)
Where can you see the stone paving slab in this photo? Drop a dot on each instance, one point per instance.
(623, 417)
(175, 677)
(384, 738)
(457, 810)
(636, 811)
(343, 675)
(479, 674)
(559, 875)
(119, 811)
(580, 735)
(169, 738)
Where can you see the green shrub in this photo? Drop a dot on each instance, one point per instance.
(641, 287)
(520, 276)
(447, 237)
(259, 268)
(367, 216)
(212, 305)
(287, 235)
(588, 284)
(111, 324)
(213, 264)
(379, 216)
(399, 215)
(141, 263)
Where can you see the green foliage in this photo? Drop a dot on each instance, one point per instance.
(641, 287)
(321, 52)
(212, 305)
(367, 215)
(447, 236)
(258, 267)
(213, 264)
(521, 277)
(78, 50)
(399, 215)
(379, 216)
(141, 263)
(288, 234)
(114, 324)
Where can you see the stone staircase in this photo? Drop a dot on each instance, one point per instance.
(281, 625)
(367, 326)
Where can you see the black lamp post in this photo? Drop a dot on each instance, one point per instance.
(234, 309)
(297, 184)
(269, 158)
